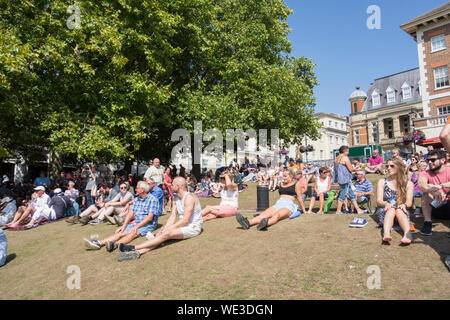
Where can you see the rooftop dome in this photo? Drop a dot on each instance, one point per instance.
(358, 94)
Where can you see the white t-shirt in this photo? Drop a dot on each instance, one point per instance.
(156, 174)
(229, 198)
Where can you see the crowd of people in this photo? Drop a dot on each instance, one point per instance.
(135, 204)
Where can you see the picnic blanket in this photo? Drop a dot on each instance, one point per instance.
(22, 227)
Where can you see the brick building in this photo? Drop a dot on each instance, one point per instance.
(385, 113)
(431, 31)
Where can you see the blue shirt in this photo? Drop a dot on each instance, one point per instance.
(143, 207)
(365, 186)
(41, 181)
(159, 195)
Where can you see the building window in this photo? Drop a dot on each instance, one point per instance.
(443, 111)
(343, 141)
(337, 140)
(405, 124)
(329, 123)
(331, 140)
(390, 94)
(438, 43)
(321, 154)
(406, 91)
(389, 129)
(375, 99)
(355, 107)
(335, 124)
(441, 77)
(356, 137)
(375, 132)
(342, 126)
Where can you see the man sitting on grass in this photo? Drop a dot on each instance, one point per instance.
(39, 203)
(55, 210)
(375, 163)
(145, 210)
(363, 188)
(188, 226)
(435, 184)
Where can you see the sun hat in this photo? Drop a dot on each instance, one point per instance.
(39, 188)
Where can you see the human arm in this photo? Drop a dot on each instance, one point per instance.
(229, 184)
(315, 186)
(299, 192)
(444, 136)
(380, 195)
(409, 197)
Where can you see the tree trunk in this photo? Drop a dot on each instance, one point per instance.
(55, 165)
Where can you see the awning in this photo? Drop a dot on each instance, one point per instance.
(435, 142)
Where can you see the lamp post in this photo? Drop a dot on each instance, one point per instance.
(412, 116)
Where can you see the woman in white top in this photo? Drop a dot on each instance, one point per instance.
(229, 204)
(322, 185)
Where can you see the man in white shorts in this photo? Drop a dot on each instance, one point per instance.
(188, 226)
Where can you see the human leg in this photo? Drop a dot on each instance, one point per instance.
(321, 203)
(312, 202)
(279, 215)
(403, 221)
(388, 223)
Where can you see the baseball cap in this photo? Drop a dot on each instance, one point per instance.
(57, 190)
(39, 188)
(5, 179)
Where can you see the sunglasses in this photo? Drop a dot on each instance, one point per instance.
(391, 166)
(123, 188)
(432, 159)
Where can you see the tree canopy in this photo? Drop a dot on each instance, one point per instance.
(132, 71)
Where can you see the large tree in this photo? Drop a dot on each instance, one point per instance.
(118, 84)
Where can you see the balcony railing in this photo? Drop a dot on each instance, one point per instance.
(433, 121)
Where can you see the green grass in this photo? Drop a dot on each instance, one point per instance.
(304, 258)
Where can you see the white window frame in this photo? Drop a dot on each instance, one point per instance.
(357, 140)
(443, 110)
(390, 95)
(406, 91)
(441, 74)
(438, 43)
(376, 101)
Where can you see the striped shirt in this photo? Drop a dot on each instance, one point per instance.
(363, 187)
(144, 207)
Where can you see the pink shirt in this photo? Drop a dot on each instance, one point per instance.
(375, 161)
(437, 178)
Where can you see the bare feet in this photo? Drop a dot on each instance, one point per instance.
(406, 239)
(309, 212)
(387, 238)
(320, 212)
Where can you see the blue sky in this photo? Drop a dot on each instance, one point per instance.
(346, 53)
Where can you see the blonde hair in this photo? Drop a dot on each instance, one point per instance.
(401, 179)
(292, 172)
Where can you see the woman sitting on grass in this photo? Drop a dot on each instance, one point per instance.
(229, 204)
(394, 196)
(322, 185)
(283, 208)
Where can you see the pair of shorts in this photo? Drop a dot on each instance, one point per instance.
(226, 211)
(190, 231)
(285, 203)
(142, 230)
(315, 195)
(442, 213)
(417, 194)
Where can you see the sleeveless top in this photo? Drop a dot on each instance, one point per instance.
(341, 174)
(196, 216)
(322, 186)
(389, 195)
(290, 191)
(229, 198)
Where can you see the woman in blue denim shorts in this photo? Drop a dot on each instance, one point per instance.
(283, 208)
(342, 174)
